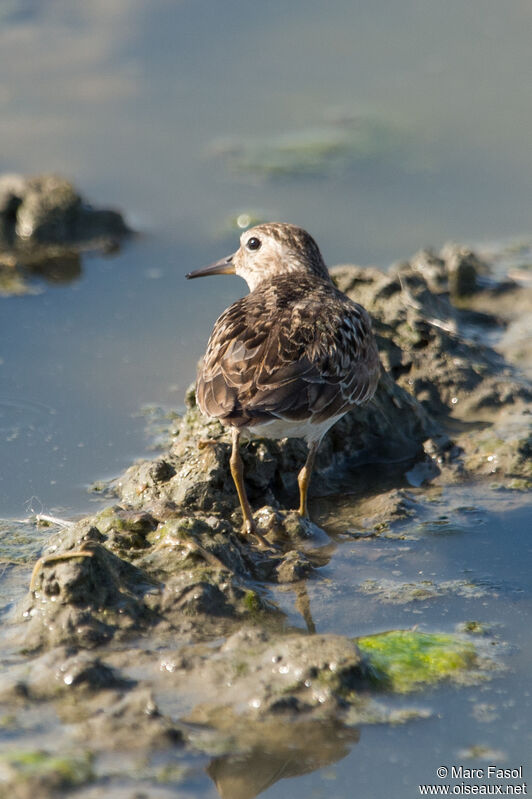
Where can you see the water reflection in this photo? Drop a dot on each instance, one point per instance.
(45, 225)
(17, 275)
(278, 751)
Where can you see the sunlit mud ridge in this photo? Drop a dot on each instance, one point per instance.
(153, 623)
(45, 227)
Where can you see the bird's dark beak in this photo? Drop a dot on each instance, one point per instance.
(223, 267)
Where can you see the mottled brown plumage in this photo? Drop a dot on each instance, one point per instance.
(291, 357)
(292, 349)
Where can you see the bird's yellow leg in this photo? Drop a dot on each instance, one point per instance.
(237, 470)
(303, 479)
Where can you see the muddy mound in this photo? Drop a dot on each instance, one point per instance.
(154, 624)
(171, 552)
(45, 226)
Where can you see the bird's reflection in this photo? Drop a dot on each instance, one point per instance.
(303, 606)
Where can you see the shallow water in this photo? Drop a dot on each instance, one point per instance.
(130, 101)
(474, 548)
(136, 103)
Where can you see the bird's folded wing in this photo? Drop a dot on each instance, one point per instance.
(274, 369)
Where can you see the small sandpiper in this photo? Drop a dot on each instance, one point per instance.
(290, 358)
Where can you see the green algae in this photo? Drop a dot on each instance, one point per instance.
(405, 660)
(19, 542)
(474, 627)
(116, 518)
(252, 602)
(323, 150)
(173, 773)
(398, 593)
(62, 771)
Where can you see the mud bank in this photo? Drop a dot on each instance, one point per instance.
(154, 624)
(45, 227)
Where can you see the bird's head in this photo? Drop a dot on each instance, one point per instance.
(269, 250)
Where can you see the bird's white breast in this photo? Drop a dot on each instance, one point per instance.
(286, 428)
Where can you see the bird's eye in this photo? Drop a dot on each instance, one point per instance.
(253, 243)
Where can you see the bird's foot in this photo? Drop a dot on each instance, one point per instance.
(203, 443)
(250, 528)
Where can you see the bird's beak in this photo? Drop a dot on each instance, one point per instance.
(223, 267)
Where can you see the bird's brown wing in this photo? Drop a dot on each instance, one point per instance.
(312, 360)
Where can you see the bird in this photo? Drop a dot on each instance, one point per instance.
(290, 358)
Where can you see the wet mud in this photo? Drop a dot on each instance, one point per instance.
(155, 625)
